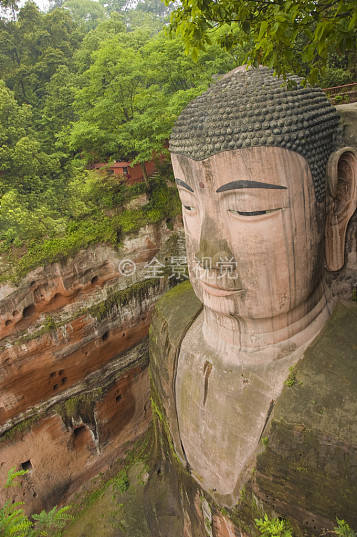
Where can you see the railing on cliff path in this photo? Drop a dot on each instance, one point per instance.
(342, 94)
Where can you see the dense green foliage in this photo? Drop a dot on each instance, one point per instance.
(99, 81)
(82, 83)
(273, 527)
(278, 527)
(94, 195)
(133, 88)
(287, 35)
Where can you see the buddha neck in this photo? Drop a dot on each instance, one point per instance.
(292, 329)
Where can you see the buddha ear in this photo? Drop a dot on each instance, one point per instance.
(341, 203)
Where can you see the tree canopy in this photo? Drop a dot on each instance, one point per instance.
(100, 81)
(287, 35)
(132, 91)
(80, 85)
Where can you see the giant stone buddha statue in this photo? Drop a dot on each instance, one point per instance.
(266, 198)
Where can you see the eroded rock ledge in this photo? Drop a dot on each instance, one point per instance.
(74, 388)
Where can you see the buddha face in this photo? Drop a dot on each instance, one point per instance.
(253, 230)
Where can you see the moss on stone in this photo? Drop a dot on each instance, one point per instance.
(49, 325)
(79, 407)
(177, 309)
(156, 409)
(122, 298)
(159, 414)
(21, 427)
(306, 468)
(308, 471)
(115, 501)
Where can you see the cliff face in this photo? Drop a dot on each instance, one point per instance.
(73, 365)
(305, 469)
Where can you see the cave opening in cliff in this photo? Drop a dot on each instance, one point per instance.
(81, 437)
(105, 336)
(28, 311)
(26, 465)
(79, 431)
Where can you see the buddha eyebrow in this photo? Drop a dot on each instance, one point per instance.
(184, 185)
(248, 184)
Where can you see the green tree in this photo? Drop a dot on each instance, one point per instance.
(343, 529)
(57, 112)
(144, 135)
(156, 7)
(114, 6)
(286, 35)
(107, 99)
(33, 47)
(22, 160)
(135, 19)
(83, 57)
(7, 3)
(273, 527)
(174, 71)
(87, 13)
(32, 182)
(132, 92)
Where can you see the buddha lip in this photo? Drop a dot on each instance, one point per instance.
(217, 291)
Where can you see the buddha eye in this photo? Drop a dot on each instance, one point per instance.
(252, 213)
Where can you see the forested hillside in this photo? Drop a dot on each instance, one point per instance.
(91, 82)
(82, 83)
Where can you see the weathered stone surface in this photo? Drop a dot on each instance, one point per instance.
(75, 441)
(306, 468)
(267, 192)
(343, 282)
(171, 319)
(308, 471)
(348, 114)
(263, 211)
(259, 316)
(73, 362)
(222, 410)
(269, 235)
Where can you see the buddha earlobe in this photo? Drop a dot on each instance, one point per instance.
(341, 203)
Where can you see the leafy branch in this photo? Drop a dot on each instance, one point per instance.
(15, 523)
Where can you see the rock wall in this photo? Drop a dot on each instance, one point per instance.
(343, 282)
(305, 469)
(348, 114)
(74, 388)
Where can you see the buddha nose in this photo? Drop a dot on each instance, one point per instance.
(212, 248)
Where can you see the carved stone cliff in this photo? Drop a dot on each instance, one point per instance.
(74, 387)
(253, 369)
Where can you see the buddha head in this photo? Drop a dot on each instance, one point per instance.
(266, 198)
